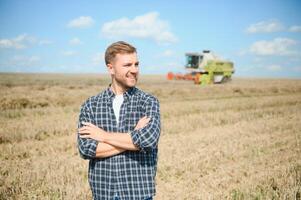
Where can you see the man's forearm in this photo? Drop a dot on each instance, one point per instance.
(120, 140)
(105, 150)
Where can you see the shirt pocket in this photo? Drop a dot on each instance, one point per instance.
(103, 120)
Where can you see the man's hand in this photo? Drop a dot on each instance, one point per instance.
(91, 131)
(142, 122)
(94, 132)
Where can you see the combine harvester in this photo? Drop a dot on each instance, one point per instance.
(205, 68)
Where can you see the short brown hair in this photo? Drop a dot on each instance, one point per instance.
(120, 47)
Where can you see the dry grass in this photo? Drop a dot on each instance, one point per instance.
(240, 140)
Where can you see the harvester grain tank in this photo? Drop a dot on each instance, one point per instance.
(205, 68)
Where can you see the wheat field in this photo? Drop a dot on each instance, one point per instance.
(239, 140)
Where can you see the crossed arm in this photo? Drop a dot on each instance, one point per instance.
(110, 144)
(94, 142)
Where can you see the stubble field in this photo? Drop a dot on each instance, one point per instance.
(240, 140)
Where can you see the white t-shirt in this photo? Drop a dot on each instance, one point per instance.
(117, 102)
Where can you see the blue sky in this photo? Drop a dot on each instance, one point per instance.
(261, 37)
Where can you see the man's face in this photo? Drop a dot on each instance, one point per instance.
(125, 69)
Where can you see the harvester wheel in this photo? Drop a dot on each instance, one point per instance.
(226, 79)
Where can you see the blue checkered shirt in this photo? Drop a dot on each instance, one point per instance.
(131, 174)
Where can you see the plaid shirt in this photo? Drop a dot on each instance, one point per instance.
(131, 174)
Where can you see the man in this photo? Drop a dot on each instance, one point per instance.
(119, 131)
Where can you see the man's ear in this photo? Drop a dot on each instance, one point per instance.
(110, 69)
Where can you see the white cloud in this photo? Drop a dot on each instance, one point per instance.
(295, 29)
(147, 26)
(45, 42)
(278, 46)
(69, 53)
(19, 42)
(265, 27)
(274, 68)
(24, 61)
(22, 41)
(97, 59)
(75, 41)
(81, 22)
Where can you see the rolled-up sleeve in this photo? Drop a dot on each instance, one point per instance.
(147, 138)
(86, 147)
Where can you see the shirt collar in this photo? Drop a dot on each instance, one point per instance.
(126, 95)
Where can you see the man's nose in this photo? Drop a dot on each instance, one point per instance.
(134, 69)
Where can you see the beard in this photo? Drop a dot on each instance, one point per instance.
(126, 81)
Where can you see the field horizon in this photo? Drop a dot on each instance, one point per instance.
(143, 75)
